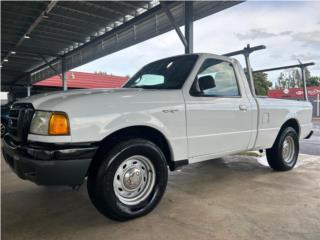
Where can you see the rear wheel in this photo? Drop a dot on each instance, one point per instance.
(130, 180)
(284, 153)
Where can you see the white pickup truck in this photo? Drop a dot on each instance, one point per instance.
(175, 111)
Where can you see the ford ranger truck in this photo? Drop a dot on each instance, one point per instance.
(175, 111)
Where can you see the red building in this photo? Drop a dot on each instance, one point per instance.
(84, 80)
(297, 93)
(293, 93)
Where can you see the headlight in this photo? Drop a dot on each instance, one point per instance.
(50, 123)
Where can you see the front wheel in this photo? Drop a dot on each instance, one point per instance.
(130, 180)
(284, 153)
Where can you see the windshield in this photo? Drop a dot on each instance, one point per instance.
(169, 73)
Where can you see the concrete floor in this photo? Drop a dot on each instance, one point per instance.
(230, 198)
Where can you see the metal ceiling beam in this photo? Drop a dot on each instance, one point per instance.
(65, 24)
(31, 53)
(55, 12)
(11, 32)
(112, 11)
(22, 63)
(123, 26)
(13, 14)
(105, 18)
(11, 26)
(63, 12)
(12, 72)
(38, 49)
(26, 57)
(8, 41)
(125, 5)
(144, 5)
(82, 21)
(59, 36)
(44, 13)
(23, 7)
(42, 38)
(50, 65)
(57, 29)
(187, 38)
(38, 35)
(173, 23)
(47, 45)
(14, 20)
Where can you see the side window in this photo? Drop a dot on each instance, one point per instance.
(216, 78)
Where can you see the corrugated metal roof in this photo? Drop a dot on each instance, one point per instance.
(36, 32)
(85, 80)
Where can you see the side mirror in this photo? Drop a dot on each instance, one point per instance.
(206, 82)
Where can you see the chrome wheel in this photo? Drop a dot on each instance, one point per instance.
(3, 129)
(134, 180)
(288, 149)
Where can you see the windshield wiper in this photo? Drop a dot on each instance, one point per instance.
(137, 86)
(146, 87)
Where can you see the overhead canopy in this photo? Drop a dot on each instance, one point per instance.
(36, 33)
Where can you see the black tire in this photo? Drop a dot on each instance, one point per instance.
(275, 156)
(101, 180)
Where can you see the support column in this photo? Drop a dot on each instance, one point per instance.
(28, 91)
(64, 74)
(249, 70)
(304, 81)
(29, 85)
(188, 27)
(187, 38)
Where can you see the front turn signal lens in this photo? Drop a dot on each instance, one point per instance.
(59, 124)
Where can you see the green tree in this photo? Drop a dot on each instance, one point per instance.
(313, 81)
(308, 74)
(261, 84)
(282, 81)
(293, 79)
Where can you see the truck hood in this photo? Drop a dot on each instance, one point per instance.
(86, 98)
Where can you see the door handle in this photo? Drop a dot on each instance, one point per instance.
(243, 107)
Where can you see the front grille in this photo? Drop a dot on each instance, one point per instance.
(20, 117)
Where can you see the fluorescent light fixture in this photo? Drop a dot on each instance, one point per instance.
(5, 60)
(26, 36)
(13, 52)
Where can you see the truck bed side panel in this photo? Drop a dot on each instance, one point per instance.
(275, 112)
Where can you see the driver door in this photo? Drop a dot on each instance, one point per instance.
(218, 116)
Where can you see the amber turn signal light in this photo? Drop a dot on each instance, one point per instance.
(59, 124)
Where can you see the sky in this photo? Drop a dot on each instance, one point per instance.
(289, 29)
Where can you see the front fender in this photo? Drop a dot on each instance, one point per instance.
(170, 124)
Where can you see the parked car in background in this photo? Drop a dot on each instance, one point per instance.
(174, 111)
(4, 118)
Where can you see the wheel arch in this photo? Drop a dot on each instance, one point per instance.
(138, 131)
(291, 122)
